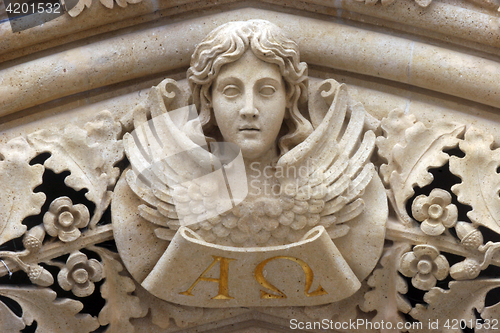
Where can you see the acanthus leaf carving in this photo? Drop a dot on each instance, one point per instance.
(120, 305)
(394, 127)
(18, 179)
(121, 3)
(89, 154)
(458, 303)
(10, 322)
(386, 297)
(480, 180)
(80, 6)
(416, 149)
(491, 312)
(51, 314)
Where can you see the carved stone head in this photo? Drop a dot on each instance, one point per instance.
(226, 45)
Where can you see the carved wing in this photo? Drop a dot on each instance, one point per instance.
(167, 165)
(328, 172)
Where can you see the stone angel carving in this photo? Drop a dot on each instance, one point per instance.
(255, 169)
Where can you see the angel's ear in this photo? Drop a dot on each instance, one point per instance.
(287, 113)
(290, 95)
(206, 98)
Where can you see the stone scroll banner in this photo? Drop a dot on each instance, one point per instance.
(209, 275)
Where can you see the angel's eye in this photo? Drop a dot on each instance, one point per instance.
(267, 90)
(231, 91)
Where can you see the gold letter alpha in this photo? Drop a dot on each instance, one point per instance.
(222, 280)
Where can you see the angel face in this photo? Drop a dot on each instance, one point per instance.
(249, 103)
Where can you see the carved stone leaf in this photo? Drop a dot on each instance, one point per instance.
(121, 3)
(394, 127)
(51, 314)
(89, 154)
(458, 303)
(388, 286)
(480, 180)
(416, 150)
(491, 312)
(78, 8)
(423, 3)
(9, 321)
(120, 306)
(18, 180)
(108, 3)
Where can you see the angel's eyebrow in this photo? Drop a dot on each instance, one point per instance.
(227, 80)
(269, 80)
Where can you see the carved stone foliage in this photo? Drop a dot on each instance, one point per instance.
(391, 223)
(76, 9)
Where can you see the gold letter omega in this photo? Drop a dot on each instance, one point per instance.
(259, 276)
(222, 280)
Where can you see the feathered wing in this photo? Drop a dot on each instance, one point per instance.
(328, 172)
(167, 166)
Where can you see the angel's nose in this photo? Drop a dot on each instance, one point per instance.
(249, 109)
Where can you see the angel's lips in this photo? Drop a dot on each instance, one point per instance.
(249, 129)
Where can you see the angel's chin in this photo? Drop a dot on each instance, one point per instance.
(256, 153)
(254, 145)
(251, 154)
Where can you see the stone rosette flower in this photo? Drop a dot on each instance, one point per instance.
(436, 212)
(425, 266)
(79, 274)
(65, 219)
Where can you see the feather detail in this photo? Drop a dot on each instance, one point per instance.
(165, 234)
(362, 155)
(163, 193)
(351, 211)
(338, 187)
(337, 159)
(338, 231)
(152, 215)
(142, 192)
(333, 206)
(359, 184)
(167, 210)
